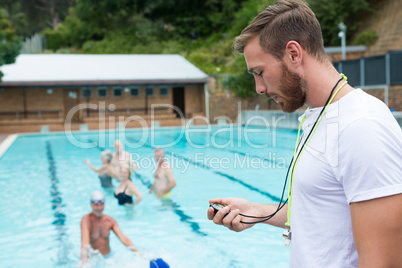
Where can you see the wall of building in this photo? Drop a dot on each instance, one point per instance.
(39, 100)
(126, 101)
(11, 100)
(194, 100)
(158, 99)
(44, 108)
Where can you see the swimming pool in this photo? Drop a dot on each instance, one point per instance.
(45, 189)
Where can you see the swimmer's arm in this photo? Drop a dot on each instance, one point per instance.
(124, 239)
(172, 181)
(112, 171)
(133, 166)
(84, 237)
(136, 192)
(151, 189)
(91, 166)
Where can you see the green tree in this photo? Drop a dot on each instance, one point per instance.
(331, 12)
(10, 43)
(32, 16)
(192, 19)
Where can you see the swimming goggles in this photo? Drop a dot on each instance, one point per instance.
(97, 202)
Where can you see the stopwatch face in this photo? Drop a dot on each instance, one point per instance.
(217, 206)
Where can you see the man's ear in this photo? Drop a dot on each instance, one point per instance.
(293, 54)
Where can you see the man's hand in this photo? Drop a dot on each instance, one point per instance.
(235, 206)
(87, 162)
(133, 249)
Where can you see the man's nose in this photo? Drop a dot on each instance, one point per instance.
(260, 87)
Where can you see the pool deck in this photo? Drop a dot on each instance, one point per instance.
(3, 137)
(5, 142)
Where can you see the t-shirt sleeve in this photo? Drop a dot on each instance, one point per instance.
(370, 160)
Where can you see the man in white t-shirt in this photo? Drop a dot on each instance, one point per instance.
(346, 208)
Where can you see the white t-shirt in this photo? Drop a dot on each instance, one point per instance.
(355, 154)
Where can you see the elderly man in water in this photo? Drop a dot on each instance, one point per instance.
(121, 157)
(164, 179)
(96, 226)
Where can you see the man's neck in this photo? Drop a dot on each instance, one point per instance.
(321, 79)
(160, 163)
(97, 216)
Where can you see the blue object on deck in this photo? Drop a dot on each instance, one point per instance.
(158, 263)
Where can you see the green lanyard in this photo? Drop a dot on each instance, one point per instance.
(296, 159)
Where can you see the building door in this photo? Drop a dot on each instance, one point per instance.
(70, 101)
(178, 100)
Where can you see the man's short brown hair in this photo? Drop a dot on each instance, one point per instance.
(283, 22)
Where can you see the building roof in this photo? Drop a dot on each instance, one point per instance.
(83, 69)
(348, 49)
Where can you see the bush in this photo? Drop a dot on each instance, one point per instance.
(54, 40)
(367, 38)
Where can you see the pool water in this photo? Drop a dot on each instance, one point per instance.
(45, 188)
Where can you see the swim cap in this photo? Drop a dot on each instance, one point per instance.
(97, 196)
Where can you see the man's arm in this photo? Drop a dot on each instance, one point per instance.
(84, 237)
(124, 239)
(377, 231)
(237, 205)
(131, 162)
(151, 189)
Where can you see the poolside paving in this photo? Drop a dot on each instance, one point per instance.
(3, 137)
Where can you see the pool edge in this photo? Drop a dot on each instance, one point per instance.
(6, 143)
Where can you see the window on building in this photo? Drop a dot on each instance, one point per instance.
(150, 90)
(102, 91)
(134, 91)
(86, 92)
(117, 92)
(163, 90)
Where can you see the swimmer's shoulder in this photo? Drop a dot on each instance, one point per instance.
(86, 217)
(109, 219)
(166, 166)
(86, 220)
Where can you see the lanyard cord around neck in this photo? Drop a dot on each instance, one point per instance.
(296, 159)
(291, 166)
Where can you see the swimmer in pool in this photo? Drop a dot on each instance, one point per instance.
(107, 171)
(124, 193)
(96, 226)
(164, 179)
(121, 157)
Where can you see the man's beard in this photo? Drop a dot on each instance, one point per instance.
(293, 88)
